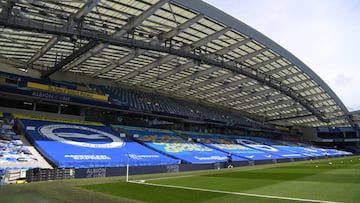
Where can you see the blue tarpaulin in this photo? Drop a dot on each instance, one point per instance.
(269, 149)
(89, 146)
(229, 146)
(175, 146)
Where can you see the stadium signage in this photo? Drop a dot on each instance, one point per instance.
(67, 91)
(96, 172)
(87, 157)
(139, 157)
(47, 95)
(81, 136)
(219, 158)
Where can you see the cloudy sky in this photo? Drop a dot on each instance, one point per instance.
(324, 34)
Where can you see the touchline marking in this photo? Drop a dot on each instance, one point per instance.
(232, 193)
(171, 177)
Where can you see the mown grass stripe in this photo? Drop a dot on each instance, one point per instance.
(232, 193)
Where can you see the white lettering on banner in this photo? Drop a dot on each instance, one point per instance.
(291, 155)
(50, 96)
(54, 132)
(87, 157)
(30, 127)
(96, 172)
(138, 157)
(219, 158)
(310, 150)
(256, 145)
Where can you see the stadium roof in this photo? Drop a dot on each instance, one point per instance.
(182, 48)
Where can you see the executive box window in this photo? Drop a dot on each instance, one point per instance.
(18, 104)
(47, 107)
(70, 109)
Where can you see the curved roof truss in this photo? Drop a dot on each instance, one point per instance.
(180, 48)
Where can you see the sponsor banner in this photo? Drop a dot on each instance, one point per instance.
(52, 96)
(62, 90)
(63, 120)
(96, 173)
(88, 146)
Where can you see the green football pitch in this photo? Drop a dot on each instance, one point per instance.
(327, 180)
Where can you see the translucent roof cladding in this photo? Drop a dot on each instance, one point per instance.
(183, 48)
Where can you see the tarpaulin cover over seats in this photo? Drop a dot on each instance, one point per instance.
(86, 146)
(237, 150)
(285, 153)
(171, 144)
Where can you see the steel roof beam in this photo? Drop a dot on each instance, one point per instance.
(290, 108)
(278, 70)
(208, 38)
(285, 105)
(306, 122)
(169, 57)
(169, 73)
(49, 44)
(291, 117)
(191, 77)
(149, 66)
(207, 82)
(70, 58)
(275, 98)
(284, 101)
(231, 47)
(229, 21)
(235, 83)
(161, 38)
(12, 61)
(237, 68)
(250, 55)
(224, 86)
(117, 63)
(219, 53)
(242, 81)
(6, 8)
(24, 45)
(228, 101)
(83, 11)
(179, 29)
(134, 22)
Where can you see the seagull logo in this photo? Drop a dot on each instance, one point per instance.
(256, 145)
(81, 136)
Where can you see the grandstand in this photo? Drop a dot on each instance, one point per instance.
(160, 86)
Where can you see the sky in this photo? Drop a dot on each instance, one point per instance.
(324, 34)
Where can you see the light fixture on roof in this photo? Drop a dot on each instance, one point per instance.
(24, 69)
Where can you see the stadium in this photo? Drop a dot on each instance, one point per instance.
(101, 99)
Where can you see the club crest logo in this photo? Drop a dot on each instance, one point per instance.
(256, 145)
(81, 136)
